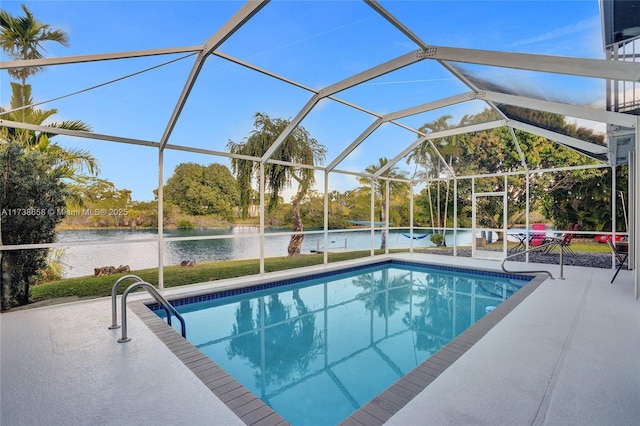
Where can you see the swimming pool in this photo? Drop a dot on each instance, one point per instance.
(318, 349)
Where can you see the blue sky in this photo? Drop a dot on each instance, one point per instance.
(316, 43)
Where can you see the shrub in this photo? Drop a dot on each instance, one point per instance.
(185, 224)
(437, 239)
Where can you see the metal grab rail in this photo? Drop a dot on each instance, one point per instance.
(161, 300)
(540, 247)
(114, 295)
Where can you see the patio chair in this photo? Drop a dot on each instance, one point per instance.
(563, 241)
(621, 257)
(538, 236)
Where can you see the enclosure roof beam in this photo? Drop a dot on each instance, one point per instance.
(475, 94)
(387, 118)
(395, 22)
(523, 159)
(372, 127)
(534, 171)
(210, 152)
(584, 147)
(407, 32)
(96, 57)
(75, 133)
(610, 117)
(468, 129)
(370, 74)
(262, 71)
(400, 156)
(248, 10)
(297, 165)
(441, 134)
(596, 68)
(417, 40)
(429, 106)
(119, 139)
(166, 51)
(352, 173)
(292, 82)
(377, 71)
(291, 127)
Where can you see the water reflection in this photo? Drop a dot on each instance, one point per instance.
(434, 324)
(318, 352)
(277, 346)
(383, 295)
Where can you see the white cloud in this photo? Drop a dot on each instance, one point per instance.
(562, 33)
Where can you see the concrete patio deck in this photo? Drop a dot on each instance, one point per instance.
(568, 354)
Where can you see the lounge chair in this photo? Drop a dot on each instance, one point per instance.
(621, 257)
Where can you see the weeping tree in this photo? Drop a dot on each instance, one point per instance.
(297, 148)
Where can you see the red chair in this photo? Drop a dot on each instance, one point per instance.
(539, 235)
(564, 241)
(603, 238)
(567, 237)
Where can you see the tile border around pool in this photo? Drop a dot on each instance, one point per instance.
(212, 295)
(250, 409)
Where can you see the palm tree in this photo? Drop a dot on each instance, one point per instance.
(380, 189)
(448, 148)
(298, 148)
(22, 37)
(69, 160)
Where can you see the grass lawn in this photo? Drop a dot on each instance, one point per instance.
(583, 246)
(92, 287)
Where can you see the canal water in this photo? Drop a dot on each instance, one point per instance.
(115, 247)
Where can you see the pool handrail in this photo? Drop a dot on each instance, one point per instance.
(168, 307)
(547, 246)
(114, 294)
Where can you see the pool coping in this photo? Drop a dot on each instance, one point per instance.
(248, 407)
(382, 407)
(253, 411)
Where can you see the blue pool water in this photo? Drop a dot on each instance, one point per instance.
(318, 349)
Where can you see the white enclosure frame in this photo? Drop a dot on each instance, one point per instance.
(610, 70)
